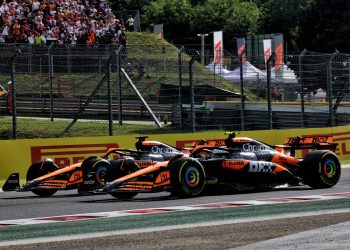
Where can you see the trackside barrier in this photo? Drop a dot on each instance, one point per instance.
(17, 155)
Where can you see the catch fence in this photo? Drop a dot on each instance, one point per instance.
(116, 86)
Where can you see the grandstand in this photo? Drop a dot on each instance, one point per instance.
(60, 21)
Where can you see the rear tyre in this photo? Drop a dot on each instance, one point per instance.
(187, 177)
(38, 169)
(321, 169)
(120, 168)
(99, 167)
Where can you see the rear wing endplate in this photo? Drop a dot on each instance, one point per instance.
(12, 183)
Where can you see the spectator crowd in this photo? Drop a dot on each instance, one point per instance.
(60, 21)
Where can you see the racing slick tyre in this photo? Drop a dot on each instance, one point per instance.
(38, 169)
(120, 168)
(99, 167)
(321, 169)
(187, 177)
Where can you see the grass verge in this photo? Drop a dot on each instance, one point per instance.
(37, 128)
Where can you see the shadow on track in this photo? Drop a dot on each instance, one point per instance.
(212, 192)
(42, 197)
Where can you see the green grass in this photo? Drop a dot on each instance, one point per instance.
(28, 128)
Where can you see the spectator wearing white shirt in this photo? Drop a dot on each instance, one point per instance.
(35, 6)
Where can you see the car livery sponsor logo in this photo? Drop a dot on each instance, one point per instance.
(141, 186)
(158, 150)
(89, 182)
(261, 167)
(65, 155)
(342, 138)
(13, 181)
(320, 139)
(208, 142)
(234, 165)
(248, 147)
(308, 139)
(77, 176)
(282, 158)
(52, 184)
(145, 163)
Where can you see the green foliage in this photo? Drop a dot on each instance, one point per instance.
(234, 17)
(128, 4)
(242, 19)
(175, 15)
(324, 26)
(282, 16)
(314, 24)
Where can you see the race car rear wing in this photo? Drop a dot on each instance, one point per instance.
(307, 142)
(212, 143)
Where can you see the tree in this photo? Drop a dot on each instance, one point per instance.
(324, 26)
(282, 16)
(118, 5)
(176, 15)
(234, 17)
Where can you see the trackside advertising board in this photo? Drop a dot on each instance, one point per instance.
(17, 155)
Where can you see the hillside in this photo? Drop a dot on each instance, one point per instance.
(161, 63)
(78, 70)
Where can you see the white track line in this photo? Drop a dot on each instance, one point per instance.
(164, 228)
(114, 214)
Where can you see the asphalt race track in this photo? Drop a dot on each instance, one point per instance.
(205, 233)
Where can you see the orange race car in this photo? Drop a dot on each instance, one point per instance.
(45, 178)
(236, 163)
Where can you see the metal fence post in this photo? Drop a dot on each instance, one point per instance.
(242, 90)
(268, 88)
(30, 61)
(109, 84)
(329, 93)
(119, 84)
(50, 59)
(348, 77)
(330, 89)
(302, 101)
(163, 53)
(13, 94)
(193, 58)
(180, 56)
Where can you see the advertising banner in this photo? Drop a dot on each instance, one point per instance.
(278, 43)
(267, 50)
(158, 29)
(218, 48)
(241, 49)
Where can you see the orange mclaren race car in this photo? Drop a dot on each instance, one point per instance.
(236, 163)
(45, 178)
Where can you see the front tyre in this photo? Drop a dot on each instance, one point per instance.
(39, 169)
(187, 177)
(321, 169)
(99, 167)
(118, 169)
